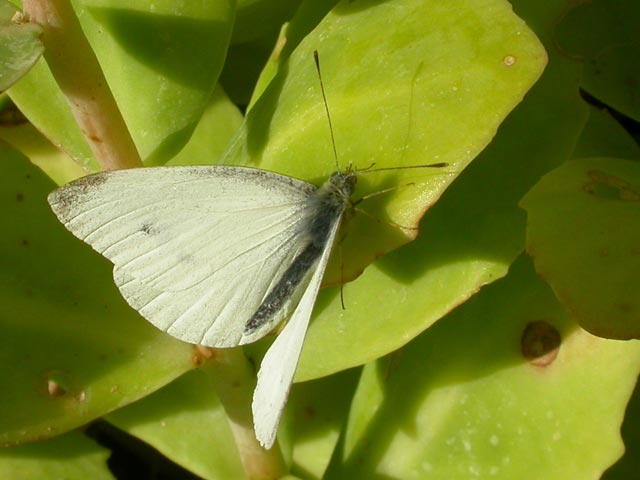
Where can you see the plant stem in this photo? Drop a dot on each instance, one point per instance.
(234, 381)
(78, 74)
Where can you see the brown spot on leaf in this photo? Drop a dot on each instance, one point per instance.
(610, 187)
(197, 360)
(54, 389)
(58, 383)
(540, 343)
(509, 60)
(626, 307)
(19, 197)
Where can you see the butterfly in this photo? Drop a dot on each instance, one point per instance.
(217, 255)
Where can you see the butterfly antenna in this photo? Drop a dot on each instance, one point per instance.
(316, 59)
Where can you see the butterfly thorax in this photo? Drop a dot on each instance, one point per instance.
(328, 203)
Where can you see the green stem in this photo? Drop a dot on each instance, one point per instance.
(78, 74)
(234, 380)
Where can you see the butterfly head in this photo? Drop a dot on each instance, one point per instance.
(342, 184)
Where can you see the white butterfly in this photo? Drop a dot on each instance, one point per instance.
(215, 255)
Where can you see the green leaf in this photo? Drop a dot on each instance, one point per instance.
(603, 36)
(603, 136)
(242, 68)
(629, 464)
(20, 46)
(260, 18)
(211, 136)
(71, 457)
(506, 378)
(309, 14)
(255, 32)
(186, 422)
(316, 414)
(73, 350)
(162, 61)
(39, 98)
(41, 152)
(583, 231)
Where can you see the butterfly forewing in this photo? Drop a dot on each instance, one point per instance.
(195, 249)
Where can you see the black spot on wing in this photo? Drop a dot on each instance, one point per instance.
(92, 181)
(68, 195)
(147, 229)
